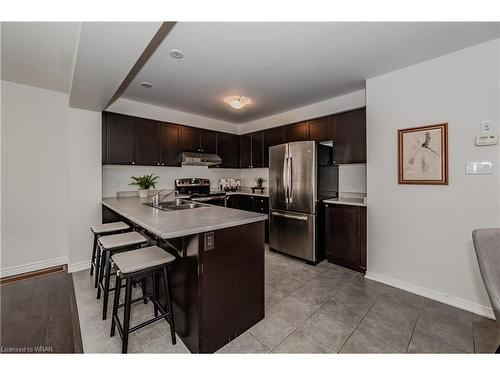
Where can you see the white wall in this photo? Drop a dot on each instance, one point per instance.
(249, 175)
(50, 179)
(84, 183)
(419, 237)
(34, 177)
(352, 178)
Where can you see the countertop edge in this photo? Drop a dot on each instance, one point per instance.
(345, 203)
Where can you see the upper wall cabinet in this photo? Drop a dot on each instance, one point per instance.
(147, 145)
(227, 149)
(272, 137)
(190, 139)
(252, 150)
(349, 140)
(120, 139)
(321, 129)
(208, 141)
(169, 135)
(297, 132)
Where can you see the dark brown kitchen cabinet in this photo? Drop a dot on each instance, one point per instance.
(104, 139)
(227, 149)
(169, 135)
(272, 137)
(257, 150)
(246, 151)
(321, 129)
(208, 141)
(349, 143)
(190, 139)
(120, 139)
(345, 235)
(146, 142)
(253, 203)
(297, 132)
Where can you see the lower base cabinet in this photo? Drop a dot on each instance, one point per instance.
(250, 203)
(345, 235)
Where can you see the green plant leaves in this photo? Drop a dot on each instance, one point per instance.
(145, 182)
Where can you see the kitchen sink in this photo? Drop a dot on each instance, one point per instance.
(177, 205)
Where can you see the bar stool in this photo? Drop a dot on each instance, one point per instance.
(98, 230)
(108, 246)
(148, 261)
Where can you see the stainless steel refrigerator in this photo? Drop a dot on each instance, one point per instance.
(297, 181)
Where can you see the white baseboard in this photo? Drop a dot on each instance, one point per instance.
(80, 266)
(30, 267)
(432, 294)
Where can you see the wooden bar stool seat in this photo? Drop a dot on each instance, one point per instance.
(107, 246)
(137, 264)
(99, 230)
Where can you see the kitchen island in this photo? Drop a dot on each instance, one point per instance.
(218, 276)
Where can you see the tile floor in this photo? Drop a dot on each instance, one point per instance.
(322, 309)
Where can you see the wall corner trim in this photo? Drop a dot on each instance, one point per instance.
(30, 267)
(432, 294)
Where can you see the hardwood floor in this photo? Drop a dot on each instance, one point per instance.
(39, 315)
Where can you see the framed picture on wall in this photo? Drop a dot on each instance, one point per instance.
(423, 155)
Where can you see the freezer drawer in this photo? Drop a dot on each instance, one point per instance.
(293, 233)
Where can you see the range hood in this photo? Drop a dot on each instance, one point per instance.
(196, 158)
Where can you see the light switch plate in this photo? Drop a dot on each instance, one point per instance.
(479, 167)
(485, 126)
(209, 241)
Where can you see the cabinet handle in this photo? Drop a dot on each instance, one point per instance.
(162, 164)
(133, 162)
(158, 163)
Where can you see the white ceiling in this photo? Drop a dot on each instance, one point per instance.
(39, 54)
(287, 65)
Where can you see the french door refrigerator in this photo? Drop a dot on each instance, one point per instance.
(293, 197)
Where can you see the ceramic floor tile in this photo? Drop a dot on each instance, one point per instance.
(422, 343)
(285, 284)
(293, 311)
(359, 342)
(272, 330)
(244, 344)
(314, 293)
(331, 332)
(272, 296)
(446, 330)
(301, 342)
(449, 312)
(164, 345)
(400, 313)
(486, 335)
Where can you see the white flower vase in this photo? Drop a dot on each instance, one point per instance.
(143, 193)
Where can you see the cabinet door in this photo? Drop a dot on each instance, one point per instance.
(227, 149)
(261, 204)
(169, 144)
(146, 141)
(246, 202)
(257, 150)
(120, 139)
(349, 144)
(190, 139)
(245, 151)
(345, 236)
(321, 129)
(272, 137)
(297, 132)
(233, 201)
(208, 141)
(104, 139)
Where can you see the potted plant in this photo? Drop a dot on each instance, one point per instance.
(145, 183)
(259, 181)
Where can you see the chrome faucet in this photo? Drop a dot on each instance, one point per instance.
(158, 199)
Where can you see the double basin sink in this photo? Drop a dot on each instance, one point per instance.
(178, 204)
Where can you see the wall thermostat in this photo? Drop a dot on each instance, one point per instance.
(486, 140)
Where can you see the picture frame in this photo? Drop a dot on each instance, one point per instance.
(423, 155)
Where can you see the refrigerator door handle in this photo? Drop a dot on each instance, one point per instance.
(290, 185)
(288, 216)
(285, 177)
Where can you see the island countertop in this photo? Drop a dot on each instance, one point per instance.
(172, 224)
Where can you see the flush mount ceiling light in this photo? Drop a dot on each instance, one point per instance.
(146, 85)
(238, 101)
(176, 54)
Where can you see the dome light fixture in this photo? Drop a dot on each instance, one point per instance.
(176, 54)
(146, 85)
(237, 101)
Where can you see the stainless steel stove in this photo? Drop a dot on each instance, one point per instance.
(198, 190)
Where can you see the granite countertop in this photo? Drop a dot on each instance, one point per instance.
(248, 191)
(350, 201)
(172, 224)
